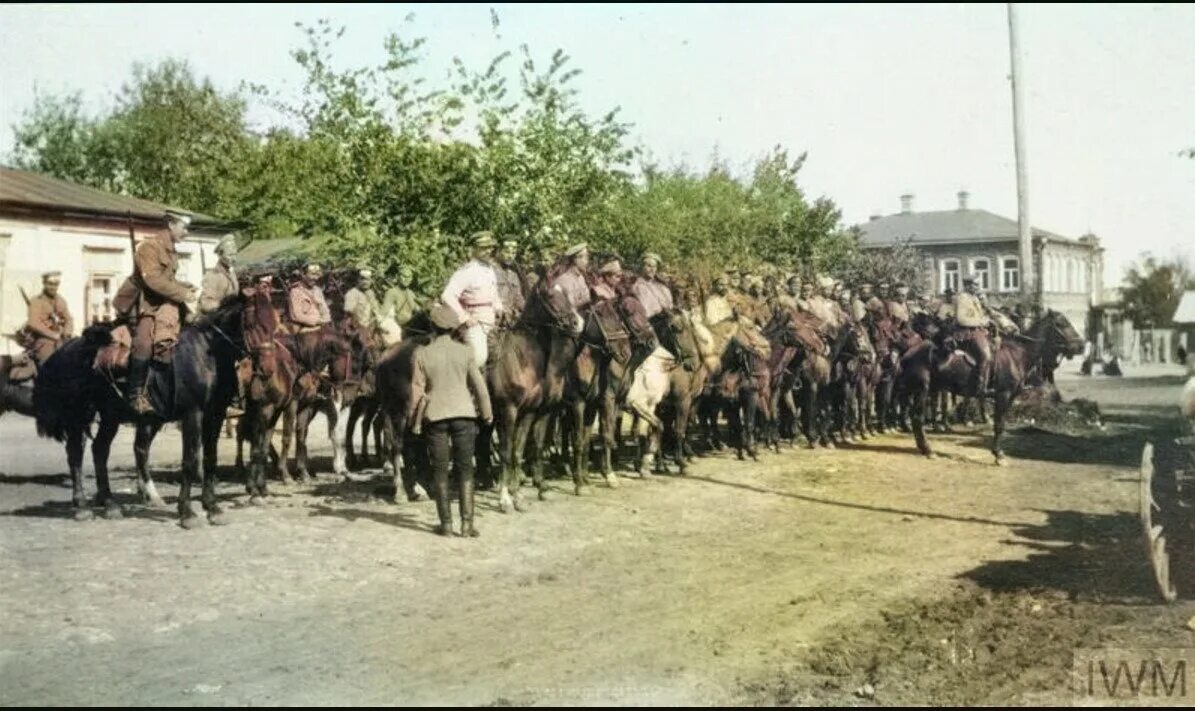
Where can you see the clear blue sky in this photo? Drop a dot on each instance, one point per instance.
(886, 100)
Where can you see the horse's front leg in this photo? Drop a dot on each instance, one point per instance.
(192, 424)
(100, 447)
(142, 439)
(338, 431)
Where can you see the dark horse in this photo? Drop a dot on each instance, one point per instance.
(68, 394)
(931, 367)
(526, 383)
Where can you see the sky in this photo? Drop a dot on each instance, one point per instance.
(886, 100)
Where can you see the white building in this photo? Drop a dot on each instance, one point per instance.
(50, 224)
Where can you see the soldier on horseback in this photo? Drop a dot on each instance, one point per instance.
(573, 280)
(362, 304)
(307, 306)
(399, 305)
(510, 283)
(220, 282)
(49, 320)
(653, 293)
(472, 293)
(972, 328)
(161, 306)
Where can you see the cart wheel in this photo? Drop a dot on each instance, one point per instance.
(1155, 535)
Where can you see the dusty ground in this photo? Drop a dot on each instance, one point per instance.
(810, 577)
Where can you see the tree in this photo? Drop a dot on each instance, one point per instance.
(1153, 289)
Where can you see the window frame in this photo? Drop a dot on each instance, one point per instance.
(1004, 269)
(943, 271)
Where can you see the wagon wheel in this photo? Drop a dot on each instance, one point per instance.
(1155, 535)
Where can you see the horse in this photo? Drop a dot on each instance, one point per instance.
(526, 382)
(615, 339)
(801, 361)
(14, 397)
(666, 375)
(393, 376)
(69, 393)
(930, 368)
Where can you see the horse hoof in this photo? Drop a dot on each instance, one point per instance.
(84, 515)
(191, 522)
(218, 518)
(113, 512)
(470, 533)
(581, 490)
(256, 500)
(443, 530)
(506, 504)
(543, 494)
(520, 504)
(1001, 460)
(388, 469)
(612, 480)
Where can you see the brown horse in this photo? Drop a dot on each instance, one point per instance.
(931, 367)
(526, 382)
(667, 380)
(801, 362)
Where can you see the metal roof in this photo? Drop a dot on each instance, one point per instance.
(944, 227)
(1185, 313)
(27, 190)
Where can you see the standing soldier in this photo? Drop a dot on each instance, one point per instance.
(573, 280)
(362, 304)
(972, 329)
(49, 319)
(308, 307)
(654, 294)
(220, 282)
(510, 284)
(449, 393)
(472, 293)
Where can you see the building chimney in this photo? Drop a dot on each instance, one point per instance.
(875, 215)
(906, 203)
(963, 196)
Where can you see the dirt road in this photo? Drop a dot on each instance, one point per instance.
(866, 575)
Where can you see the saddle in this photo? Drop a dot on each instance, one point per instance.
(112, 360)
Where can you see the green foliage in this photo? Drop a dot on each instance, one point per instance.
(1153, 288)
(374, 166)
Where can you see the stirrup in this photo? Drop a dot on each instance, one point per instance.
(141, 404)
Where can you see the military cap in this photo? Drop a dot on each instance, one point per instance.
(227, 245)
(866, 285)
(968, 280)
(510, 242)
(825, 282)
(884, 285)
(483, 239)
(366, 273)
(844, 294)
(611, 266)
(444, 317)
(652, 257)
(902, 290)
(178, 216)
(721, 279)
(576, 249)
(51, 277)
(314, 269)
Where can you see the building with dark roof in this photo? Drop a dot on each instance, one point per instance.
(47, 224)
(968, 242)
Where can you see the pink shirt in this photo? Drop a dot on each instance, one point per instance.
(654, 295)
(472, 292)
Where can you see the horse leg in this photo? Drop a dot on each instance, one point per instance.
(143, 437)
(289, 415)
(302, 422)
(74, 460)
(920, 401)
(610, 425)
(580, 443)
(350, 426)
(539, 430)
(519, 446)
(1003, 401)
(337, 431)
(192, 424)
(385, 439)
(680, 430)
(242, 434)
(100, 446)
(212, 423)
(508, 421)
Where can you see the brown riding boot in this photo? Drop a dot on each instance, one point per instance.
(137, 397)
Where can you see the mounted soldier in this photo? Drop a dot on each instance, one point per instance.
(510, 282)
(717, 307)
(161, 307)
(49, 320)
(361, 303)
(898, 309)
(399, 305)
(972, 328)
(472, 293)
(573, 280)
(308, 308)
(653, 293)
(858, 308)
(220, 282)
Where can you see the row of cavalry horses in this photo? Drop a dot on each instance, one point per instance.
(551, 374)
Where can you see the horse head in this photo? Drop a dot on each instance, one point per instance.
(677, 336)
(550, 307)
(1058, 335)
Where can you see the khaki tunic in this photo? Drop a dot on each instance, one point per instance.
(50, 322)
(218, 284)
(163, 296)
(969, 312)
(898, 312)
(716, 310)
(308, 309)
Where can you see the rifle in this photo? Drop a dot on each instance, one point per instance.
(23, 294)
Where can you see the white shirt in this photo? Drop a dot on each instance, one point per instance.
(472, 292)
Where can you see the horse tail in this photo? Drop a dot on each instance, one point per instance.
(64, 389)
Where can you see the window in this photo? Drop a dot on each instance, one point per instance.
(1010, 274)
(949, 277)
(981, 272)
(1072, 284)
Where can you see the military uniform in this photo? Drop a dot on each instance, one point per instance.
(716, 310)
(898, 311)
(363, 306)
(654, 294)
(572, 282)
(163, 298)
(510, 290)
(972, 331)
(49, 321)
(308, 307)
(219, 283)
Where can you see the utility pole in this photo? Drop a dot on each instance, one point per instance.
(1028, 280)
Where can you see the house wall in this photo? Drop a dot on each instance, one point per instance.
(93, 256)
